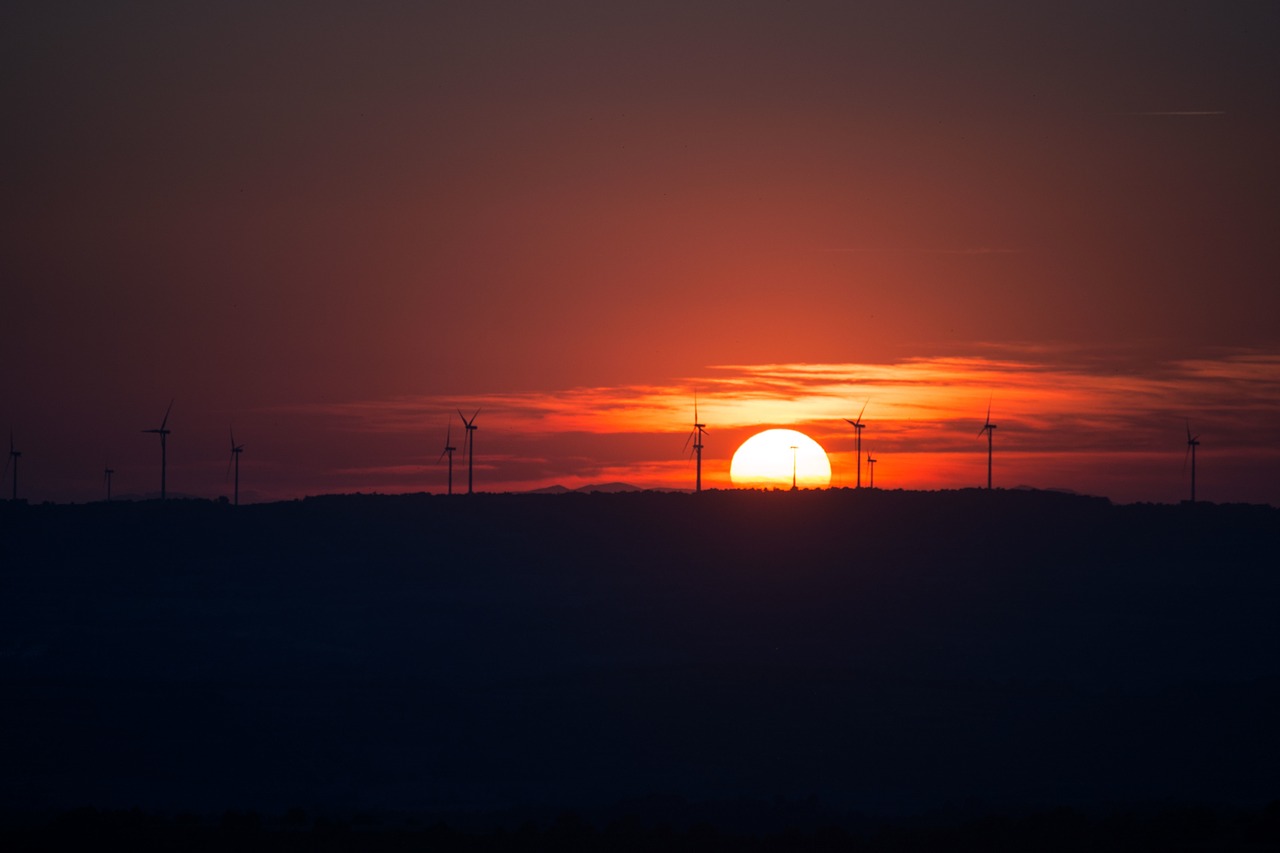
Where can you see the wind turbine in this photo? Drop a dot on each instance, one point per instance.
(14, 456)
(468, 445)
(871, 464)
(794, 448)
(163, 433)
(448, 450)
(106, 478)
(1192, 443)
(236, 450)
(695, 435)
(858, 425)
(990, 429)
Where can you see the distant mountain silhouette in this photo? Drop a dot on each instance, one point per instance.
(609, 488)
(606, 488)
(1061, 491)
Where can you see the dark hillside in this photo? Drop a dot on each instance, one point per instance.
(884, 652)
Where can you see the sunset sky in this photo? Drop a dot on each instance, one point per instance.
(331, 225)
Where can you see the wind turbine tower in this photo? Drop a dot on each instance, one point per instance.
(469, 445)
(1192, 443)
(236, 450)
(858, 425)
(106, 478)
(794, 448)
(14, 456)
(990, 429)
(448, 451)
(164, 434)
(871, 466)
(695, 435)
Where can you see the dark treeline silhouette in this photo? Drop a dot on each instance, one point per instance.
(877, 653)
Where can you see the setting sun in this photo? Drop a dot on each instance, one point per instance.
(780, 458)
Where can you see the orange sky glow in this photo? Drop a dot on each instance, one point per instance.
(1085, 428)
(330, 227)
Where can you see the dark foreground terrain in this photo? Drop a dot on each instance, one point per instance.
(742, 662)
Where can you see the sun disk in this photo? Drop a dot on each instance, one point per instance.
(777, 458)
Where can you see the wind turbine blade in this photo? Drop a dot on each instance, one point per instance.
(687, 440)
(230, 459)
(166, 415)
(864, 408)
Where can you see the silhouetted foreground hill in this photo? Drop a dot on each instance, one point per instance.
(866, 653)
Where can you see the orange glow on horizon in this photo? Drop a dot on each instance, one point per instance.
(922, 416)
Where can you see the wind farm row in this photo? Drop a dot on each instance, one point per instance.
(693, 448)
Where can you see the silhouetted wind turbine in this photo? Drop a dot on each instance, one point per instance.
(858, 425)
(448, 451)
(468, 444)
(14, 456)
(794, 448)
(1192, 443)
(990, 429)
(163, 433)
(871, 464)
(106, 478)
(695, 435)
(236, 450)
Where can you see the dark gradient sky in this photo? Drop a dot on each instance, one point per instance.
(267, 211)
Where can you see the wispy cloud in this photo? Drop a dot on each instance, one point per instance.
(926, 250)
(1180, 113)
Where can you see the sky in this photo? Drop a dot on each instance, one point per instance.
(329, 226)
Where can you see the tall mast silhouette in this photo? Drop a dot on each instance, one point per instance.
(106, 477)
(871, 466)
(236, 450)
(794, 448)
(695, 435)
(469, 445)
(1192, 443)
(448, 451)
(14, 456)
(990, 429)
(857, 451)
(164, 434)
